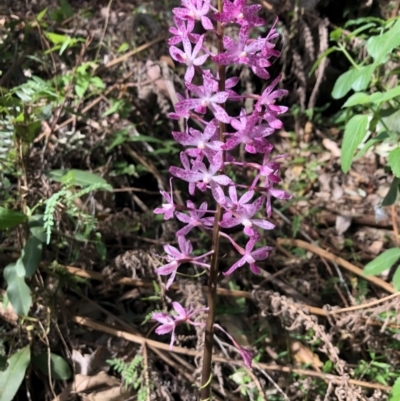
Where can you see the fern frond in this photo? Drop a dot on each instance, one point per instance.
(149, 315)
(48, 217)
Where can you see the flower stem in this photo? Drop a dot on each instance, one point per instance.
(205, 392)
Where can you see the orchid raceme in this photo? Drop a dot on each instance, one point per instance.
(211, 139)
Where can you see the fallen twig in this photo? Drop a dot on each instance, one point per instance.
(84, 321)
(91, 275)
(340, 261)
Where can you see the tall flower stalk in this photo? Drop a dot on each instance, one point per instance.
(210, 154)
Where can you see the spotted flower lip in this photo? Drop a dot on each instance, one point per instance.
(195, 10)
(244, 215)
(182, 30)
(200, 143)
(237, 11)
(189, 56)
(207, 98)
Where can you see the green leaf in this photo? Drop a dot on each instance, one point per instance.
(325, 54)
(80, 178)
(12, 377)
(380, 46)
(394, 161)
(356, 99)
(336, 34)
(388, 95)
(383, 262)
(18, 292)
(66, 8)
(145, 138)
(395, 393)
(355, 132)
(116, 105)
(60, 369)
(379, 138)
(396, 279)
(10, 218)
(41, 15)
(97, 82)
(36, 227)
(393, 193)
(31, 255)
(391, 118)
(65, 45)
(82, 86)
(344, 83)
(364, 75)
(55, 38)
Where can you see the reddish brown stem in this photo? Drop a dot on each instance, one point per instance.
(205, 391)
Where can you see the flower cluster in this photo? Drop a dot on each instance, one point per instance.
(212, 137)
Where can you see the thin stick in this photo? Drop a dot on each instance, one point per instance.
(91, 275)
(364, 306)
(132, 53)
(205, 391)
(344, 263)
(84, 321)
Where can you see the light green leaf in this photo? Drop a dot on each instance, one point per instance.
(65, 45)
(18, 292)
(10, 218)
(394, 161)
(363, 77)
(396, 279)
(97, 82)
(383, 262)
(31, 255)
(344, 83)
(355, 132)
(391, 118)
(379, 138)
(60, 369)
(55, 38)
(145, 138)
(80, 178)
(357, 99)
(380, 46)
(376, 97)
(393, 193)
(20, 268)
(12, 377)
(395, 393)
(41, 15)
(388, 95)
(82, 86)
(116, 105)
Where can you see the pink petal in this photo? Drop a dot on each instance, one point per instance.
(179, 309)
(165, 328)
(266, 225)
(167, 269)
(220, 114)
